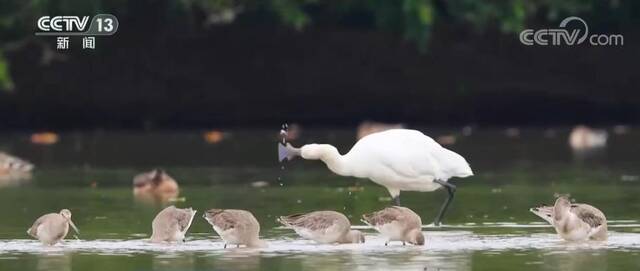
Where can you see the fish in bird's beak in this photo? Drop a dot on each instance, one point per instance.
(287, 152)
(73, 226)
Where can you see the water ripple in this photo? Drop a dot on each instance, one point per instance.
(441, 241)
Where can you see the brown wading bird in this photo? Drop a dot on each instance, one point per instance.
(325, 227)
(52, 228)
(155, 186)
(574, 222)
(397, 224)
(235, 227)
(171, 224)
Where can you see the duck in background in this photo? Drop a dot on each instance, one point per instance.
(587, 142)
(13, 169)
(583, 138)
(370, 127)
(155, 186)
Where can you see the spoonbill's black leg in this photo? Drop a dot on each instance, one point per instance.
(225, 245)
(396, 200)
(451, 189)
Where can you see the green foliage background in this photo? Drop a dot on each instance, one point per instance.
(413, 19)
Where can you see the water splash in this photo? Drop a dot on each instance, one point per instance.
(442, 241)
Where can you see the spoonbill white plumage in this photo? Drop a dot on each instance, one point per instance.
(398, 159)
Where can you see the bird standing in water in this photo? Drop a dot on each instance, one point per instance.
(171, 224)
(325, 227)
(397, 224)
(574, 222)
(398, 159)
(52, 228)
(235, 227)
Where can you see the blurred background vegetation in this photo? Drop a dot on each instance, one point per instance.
(192, 63)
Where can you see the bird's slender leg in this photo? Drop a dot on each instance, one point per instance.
(238, 246)
(403, 243)
(225, 245)
(396, 200)
(386, 243)
(451, 189)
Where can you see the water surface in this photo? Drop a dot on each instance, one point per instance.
(487, 228)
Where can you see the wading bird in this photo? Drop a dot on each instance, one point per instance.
(235, 227)
(52, 228)
(574, 222)
(397, 224)
(171, 224)
(398, 159)
(325, 227)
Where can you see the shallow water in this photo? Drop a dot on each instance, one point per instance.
(487, 228)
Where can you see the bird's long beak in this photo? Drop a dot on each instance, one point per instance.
(287, 152)
(74, 226)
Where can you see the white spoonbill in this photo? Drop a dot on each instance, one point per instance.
(398, 159)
